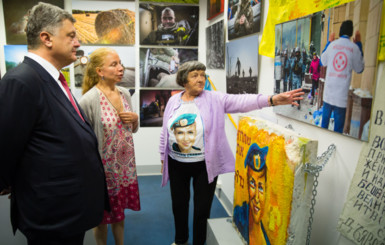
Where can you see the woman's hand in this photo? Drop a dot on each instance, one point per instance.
(288, 98)
(128, 117)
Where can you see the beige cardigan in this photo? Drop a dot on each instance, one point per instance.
(90, 103)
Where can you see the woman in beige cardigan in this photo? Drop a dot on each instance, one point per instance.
(109, 110)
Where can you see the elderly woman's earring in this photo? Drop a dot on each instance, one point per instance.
(102, 77)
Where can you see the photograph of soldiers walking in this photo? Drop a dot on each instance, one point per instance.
(173, 25)
(215, 46)
(332, 56)
(242, 66)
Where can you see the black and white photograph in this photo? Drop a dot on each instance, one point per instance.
(243, 18)
(158, 66)
(215, 46)
(170, 25)
(242, 66)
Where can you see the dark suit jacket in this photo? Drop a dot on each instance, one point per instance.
(48, 156)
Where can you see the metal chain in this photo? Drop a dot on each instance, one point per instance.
(314, 169)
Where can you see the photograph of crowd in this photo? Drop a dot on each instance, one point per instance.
(331, 55)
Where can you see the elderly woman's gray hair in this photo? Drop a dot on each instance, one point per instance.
(44, 17)
(186, 68)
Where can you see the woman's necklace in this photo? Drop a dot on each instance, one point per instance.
(115, 102)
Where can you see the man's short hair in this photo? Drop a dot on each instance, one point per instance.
(44, 17)
(346, 28)
(167, 9)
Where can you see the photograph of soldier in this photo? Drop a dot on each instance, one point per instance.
(126, 54)
(174, 25)
(215, 46)
(158, 66)
(152, 105)
(245, 18)
(214, 8)
(242, 56)
(100, 22)
(16, 15)
(332, 56)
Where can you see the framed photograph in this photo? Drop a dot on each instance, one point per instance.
(215, 46)
(243, 18)
(174, 25)
(242, 66)
(158, 66)
(152, 105)
(14, 55)
(335, 64)
(16, 15)
(105, 22)
(214, 8)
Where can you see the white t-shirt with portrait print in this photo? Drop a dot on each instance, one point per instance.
(186, 137)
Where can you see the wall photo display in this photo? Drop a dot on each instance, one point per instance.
(100, 22)
(152, 105)
(243, 18)
(339, 90)
(242, 66)
(16, 16)
(158, 66)
(214, 8)
(215, 46)
(174, 25)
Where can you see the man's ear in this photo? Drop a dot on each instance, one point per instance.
(46, 39)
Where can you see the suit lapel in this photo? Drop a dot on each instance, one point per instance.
(58, 94)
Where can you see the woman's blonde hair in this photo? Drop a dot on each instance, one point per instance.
(96, 59)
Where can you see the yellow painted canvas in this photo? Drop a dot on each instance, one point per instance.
(272, 191)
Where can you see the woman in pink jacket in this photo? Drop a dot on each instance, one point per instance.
(315, 71)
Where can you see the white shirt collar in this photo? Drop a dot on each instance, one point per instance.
(45, 64)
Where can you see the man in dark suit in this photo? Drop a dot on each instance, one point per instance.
(49, 156)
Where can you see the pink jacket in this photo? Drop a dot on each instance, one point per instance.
(315, 69)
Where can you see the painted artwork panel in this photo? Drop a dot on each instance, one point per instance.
(243, 18)
(127, 57)
(158, 66)
(215, 46)
(339, 90)
(16, 16)
(272, 194)
(214, 8)
(101, 22)
(242, 66)
(152, 105)
(170, 25)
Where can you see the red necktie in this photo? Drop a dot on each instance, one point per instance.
(67, 89)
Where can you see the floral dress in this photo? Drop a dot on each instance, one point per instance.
(118, 158)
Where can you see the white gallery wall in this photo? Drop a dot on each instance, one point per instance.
(334, 180)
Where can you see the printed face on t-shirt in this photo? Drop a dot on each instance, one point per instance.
(185, 137)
